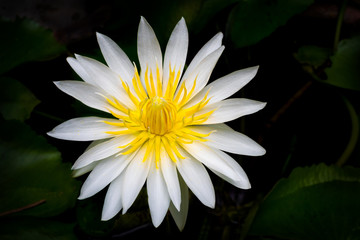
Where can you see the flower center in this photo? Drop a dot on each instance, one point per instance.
(158, 115)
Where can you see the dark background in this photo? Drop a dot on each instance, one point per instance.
(305, 187)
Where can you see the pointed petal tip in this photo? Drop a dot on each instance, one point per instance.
(177, 205)
(263, 104)
(253, 69)
(106, 216)
(78, 56)
(182, 20)
(219, 35)
(81, 197)
(156, 222)
(70, 59)
(262, 151)
(142, 20)
(99, 36)
(75, 166)
(211, 205)
(124, 210)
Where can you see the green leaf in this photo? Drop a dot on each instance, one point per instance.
(23, 40)
(33, 181)
(318, 202)
(35, 228)
(345, 71)
(208, 9)
(88, 212)
(252, 20)
(313, 55)
(16, 101)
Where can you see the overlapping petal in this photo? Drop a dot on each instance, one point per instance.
(149, 51)
(170, 175)
(225, 86)
(102, 150)
(159, 199)
(230, 109)
(113, 199)
(103, 173)
(85, 93)
(135, 177)
(197, 179)
(84, 129)
(212, 45)
(226, 139)
(176, 51)
(180, 215)
(115, 58)
(167, 125)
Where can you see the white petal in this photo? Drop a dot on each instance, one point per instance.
(241, 181)
(84, 92)
(176, 51)
(208, 48)
(104, 172)
(81, 171)
(102, 150)
(197, 179)
(226, 86)
(84, 129)
(113, 202)
(228, 140)
(115, 58)
(212, 159)
(74, 63)
(181, 215)
(149, 50)
(105, 79)
(231, 109)
(135, 176)
(169, 172)
(202, 72)
(159, 199)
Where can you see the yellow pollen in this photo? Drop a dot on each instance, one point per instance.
(158, 115)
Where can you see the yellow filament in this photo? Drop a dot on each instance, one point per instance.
(139, 89)
(161, 117)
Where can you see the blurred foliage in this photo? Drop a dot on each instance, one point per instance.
(23, 41)
(311, 121)
(32, 172)
(16, 101)
(252, 21)
(312, 204)
(345, 71)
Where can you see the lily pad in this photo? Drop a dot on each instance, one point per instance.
(34, 181)
(313, 55)
(345, 72)
(23, 40)
(318, 202)
(16, 101)
(251, 21)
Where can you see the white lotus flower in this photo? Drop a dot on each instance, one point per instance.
(166, 124)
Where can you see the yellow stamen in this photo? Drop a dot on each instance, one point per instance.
(161, 117)
(168, 149)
